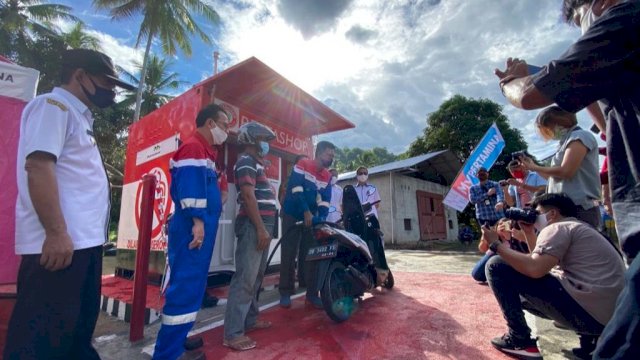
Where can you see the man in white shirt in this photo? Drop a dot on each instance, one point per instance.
(335, 207)
(61, 214)
(367, 193)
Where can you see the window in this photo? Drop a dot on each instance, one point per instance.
(450, 224)
(433, 207)
(407, 224)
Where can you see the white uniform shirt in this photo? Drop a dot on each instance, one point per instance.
(60, 124)
(335, 208)
(368, 194)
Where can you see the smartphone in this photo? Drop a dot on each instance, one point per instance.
(533, 69)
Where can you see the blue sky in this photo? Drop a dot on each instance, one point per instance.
(384, 65)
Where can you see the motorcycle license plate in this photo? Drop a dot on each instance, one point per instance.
(322, 252)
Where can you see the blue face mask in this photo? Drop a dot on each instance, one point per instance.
(264, 148)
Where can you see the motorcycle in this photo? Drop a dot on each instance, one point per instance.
(350, 258)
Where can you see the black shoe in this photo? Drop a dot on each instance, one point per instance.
(193, 343)
(209, 301)
(521, 349)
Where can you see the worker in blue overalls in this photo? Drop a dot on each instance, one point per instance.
(192, 229)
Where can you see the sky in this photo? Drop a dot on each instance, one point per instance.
(384, 65)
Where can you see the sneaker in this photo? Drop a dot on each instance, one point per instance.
(522, 349)
(285, 301)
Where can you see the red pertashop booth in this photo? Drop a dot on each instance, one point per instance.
(249, 91)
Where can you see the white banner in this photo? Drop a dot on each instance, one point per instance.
(18, 82)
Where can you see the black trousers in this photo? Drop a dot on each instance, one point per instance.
(296, 239)
(56, 311)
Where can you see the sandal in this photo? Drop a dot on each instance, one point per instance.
(260, 324)
(241, 343)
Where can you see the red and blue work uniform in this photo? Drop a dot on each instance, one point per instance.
(195, 193)
(308, 189)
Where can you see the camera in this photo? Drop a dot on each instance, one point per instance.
(526, 215)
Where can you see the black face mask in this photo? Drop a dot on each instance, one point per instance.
(483, 177)
(102, 98)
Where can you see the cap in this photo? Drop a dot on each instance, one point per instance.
(94, 62)
(482, 169)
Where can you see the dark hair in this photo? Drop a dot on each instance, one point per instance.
(299, 157)
(66, 72)
(559, 201)
(569, 8)
(208, 112)
(362, 168)
(322, 146)
(513, 163)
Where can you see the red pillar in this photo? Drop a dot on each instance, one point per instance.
(136, 327)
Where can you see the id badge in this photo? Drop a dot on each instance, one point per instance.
(487, 202)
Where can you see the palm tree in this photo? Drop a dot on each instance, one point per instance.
(170, 20)
(23, 21)
(157, 79)
(78, 38)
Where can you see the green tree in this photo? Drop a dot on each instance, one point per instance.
(157, 80)
(111, 129)
(349, 159)
(458, 125)
(78, 38)
(170, 20)
(23, 22)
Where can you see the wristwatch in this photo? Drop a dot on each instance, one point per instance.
(494, 246)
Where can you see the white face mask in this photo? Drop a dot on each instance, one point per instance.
(541, 222)
(219, 135)
(363, 178)
(588, 18)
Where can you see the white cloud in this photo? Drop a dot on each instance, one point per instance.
(403, 59)
(121, 53)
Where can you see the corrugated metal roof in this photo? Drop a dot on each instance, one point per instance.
(447, 165)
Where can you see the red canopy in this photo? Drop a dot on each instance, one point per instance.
(254, 86)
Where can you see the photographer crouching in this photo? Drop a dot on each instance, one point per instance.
(579, 293)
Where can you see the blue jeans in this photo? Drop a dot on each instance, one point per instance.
(478, 273)
(621, 337)
(544, 297)
(242, 305)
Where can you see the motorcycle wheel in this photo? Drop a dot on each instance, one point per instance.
(388, 284)
(336, 295)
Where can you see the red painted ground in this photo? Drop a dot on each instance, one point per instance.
(122, 289)
(426, 316)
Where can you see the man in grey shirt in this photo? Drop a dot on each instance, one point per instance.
(573, 276)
